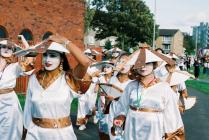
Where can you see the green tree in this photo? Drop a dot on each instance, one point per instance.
(129, 20)
(189, 44)
(108, 45)
(89, 14)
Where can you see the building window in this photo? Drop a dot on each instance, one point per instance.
(27, 34)
(3, 32)
(166, 48)
(167, 40)
(46, 35)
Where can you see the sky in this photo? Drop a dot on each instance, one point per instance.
(180, 14)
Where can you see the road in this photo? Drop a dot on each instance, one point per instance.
(196, 121)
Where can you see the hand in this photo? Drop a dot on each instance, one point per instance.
(118, 121)
(29, 60)
(96, 74)
(119, 67)
(109, 98)
(58, 38)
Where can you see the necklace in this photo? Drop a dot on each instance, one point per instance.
(45, 83)
(139, 98)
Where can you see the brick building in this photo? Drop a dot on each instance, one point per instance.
(36, 19)
(171, 40)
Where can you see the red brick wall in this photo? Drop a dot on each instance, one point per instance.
(65, 17)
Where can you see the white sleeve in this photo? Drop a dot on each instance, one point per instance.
(20, 71)
(28, 108)
(181, 86)
(172, 117)
(121, 107)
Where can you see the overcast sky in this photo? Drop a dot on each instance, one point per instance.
(180, 14)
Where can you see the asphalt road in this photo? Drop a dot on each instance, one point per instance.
(196, 121)
(90, 133)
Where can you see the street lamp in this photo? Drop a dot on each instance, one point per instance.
(153, 41)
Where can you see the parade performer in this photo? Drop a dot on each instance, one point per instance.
(11, 121)
(175, 79)
(148, 105)
(86, 103)
(51, 91)
(165, 72)
(121, 80)
(101, 113)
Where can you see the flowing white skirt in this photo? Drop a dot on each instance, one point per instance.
(11, 117)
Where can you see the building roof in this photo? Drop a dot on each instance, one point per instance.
(167, 32)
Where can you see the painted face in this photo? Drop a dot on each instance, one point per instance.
(51, 60)
(108, 70)
(6, 51)
(115, 54)
(147, 70)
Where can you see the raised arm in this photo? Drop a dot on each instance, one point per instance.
(83, 61)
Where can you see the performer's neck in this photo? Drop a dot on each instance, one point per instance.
(146, 80)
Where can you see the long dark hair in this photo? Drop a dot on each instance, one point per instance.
(66, 66)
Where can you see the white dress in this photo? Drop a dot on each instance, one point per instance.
(113, 106)
(11, 124)
(149, 125)
(53, 102)
(86, 102)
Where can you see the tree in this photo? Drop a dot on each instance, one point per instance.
(89, 14)
(189, 44)
(129, 20)
(108, 45)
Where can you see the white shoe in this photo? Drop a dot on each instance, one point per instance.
(95, 119)
(82, 127)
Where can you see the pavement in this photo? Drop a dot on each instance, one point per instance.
(90, 133)
(196, 121)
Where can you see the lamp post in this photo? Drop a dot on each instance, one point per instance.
(153, 41)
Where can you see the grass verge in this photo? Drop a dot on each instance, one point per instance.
(201, 86)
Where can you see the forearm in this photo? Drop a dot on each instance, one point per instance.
(78, 54)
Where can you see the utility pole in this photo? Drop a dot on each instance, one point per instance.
(153, 41)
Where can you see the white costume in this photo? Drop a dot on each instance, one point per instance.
(11, 124)
(87, 102)
(114, 80)
(149, 125)
(52, 102)
(102, 117)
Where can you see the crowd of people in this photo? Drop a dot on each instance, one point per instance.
(197, 65)
(138, 96)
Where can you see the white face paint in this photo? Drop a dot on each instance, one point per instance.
(107, 70)
(147, 70)
(115, 54)
(6, 51)
(51, 60)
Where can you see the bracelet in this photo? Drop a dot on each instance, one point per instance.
(66, 43)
